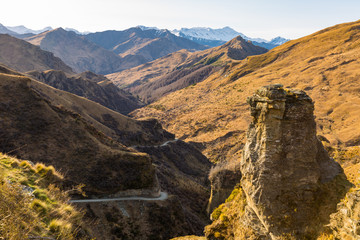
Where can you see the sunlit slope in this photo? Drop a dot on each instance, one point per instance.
(325, 64)
(178, 70)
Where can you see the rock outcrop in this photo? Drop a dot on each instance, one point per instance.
(345, 223)
(223, 179)
(290, 182)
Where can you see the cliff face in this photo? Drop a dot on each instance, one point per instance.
(345, 223)
(289, 184)
(286, 171)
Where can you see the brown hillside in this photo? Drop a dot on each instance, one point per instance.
(325, 64)
(77, 52)
(35, 129)
(94, 145)
(149, 71)
(23, 56)
(91, 86)
(153, 80)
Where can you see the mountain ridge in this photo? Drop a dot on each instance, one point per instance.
(148, 44)
(217, 37)
(77, 52)
(181, 69)
(23, 56)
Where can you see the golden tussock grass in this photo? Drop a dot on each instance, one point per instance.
(31, 206)
(324, 64)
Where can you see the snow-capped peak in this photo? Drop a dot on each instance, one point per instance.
(223, 34)
(146, 28)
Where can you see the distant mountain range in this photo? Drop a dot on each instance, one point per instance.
(216, 37)
(114, 51)
(148, 44)
(202, 35)
(21, 29)
(111, 51)
(24, 30)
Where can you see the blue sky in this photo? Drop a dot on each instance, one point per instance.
(255, 18)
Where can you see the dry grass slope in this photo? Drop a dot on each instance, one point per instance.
(324, 64)
(32, 206)
(153, 80)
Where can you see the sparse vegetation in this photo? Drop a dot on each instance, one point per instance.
(226, 218)
(30, 205)
(157, 107)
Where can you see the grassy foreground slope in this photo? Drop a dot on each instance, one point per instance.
(324, 64)
(32, 206)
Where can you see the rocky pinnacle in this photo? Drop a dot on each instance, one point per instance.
(290, 182)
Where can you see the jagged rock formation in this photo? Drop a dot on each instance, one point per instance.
(290, 182)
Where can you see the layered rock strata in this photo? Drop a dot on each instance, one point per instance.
(290, 182)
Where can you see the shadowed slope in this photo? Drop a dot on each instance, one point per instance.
(23, 56)
(79, 53)
(36, 129)
(91, 86)
(87, 142)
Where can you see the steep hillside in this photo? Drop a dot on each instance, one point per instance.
(144, 45)
(77, 52)
(33, 128)
(325, 64)
(23, 56)
(153, 80)
(95, 146)
(91, 86)
(150, 71)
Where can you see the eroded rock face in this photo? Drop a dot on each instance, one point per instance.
(290, 182)
(345, 223)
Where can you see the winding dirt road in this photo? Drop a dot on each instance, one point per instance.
(163, 196)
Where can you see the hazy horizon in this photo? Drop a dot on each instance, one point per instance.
(260, 18)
